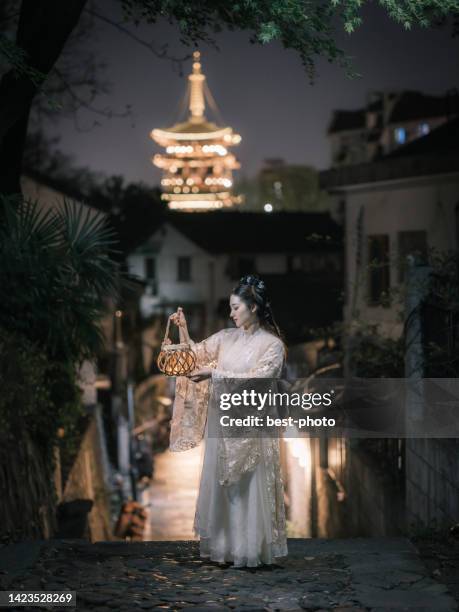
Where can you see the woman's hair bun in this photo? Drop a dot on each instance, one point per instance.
(253, 281)
(252, 290)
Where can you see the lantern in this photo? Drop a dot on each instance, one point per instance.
(175, 359)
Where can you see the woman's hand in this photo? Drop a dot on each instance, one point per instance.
(178, 317)
(200, 375)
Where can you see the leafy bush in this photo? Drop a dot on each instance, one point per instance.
(56, 277)
(37, 395)
(56, 274)
(376, 356)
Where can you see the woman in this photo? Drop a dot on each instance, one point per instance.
(240, 516)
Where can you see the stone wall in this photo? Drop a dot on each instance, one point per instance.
(432, 490)
(89, 478)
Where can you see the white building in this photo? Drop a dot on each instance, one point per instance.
(406, 202)
(195, 260)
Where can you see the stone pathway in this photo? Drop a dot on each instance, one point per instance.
(171, 496)
(348, 575)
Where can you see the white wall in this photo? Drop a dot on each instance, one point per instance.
(409, 205)
(167, 245)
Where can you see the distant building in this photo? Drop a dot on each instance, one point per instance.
(195, 261)
(389, 120)
(405, 202)
(283, 187)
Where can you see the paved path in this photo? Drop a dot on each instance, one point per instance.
(172, 495)
(348, 575)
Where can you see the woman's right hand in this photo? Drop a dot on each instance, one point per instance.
(178, 318)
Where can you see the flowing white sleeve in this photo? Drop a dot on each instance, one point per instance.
(191, 399)
(268, 366)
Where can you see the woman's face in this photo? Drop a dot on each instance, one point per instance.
(240, 313)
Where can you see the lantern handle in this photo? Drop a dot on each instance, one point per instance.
(166, 336)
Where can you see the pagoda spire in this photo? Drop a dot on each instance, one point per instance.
(197, 164)
(197, 101)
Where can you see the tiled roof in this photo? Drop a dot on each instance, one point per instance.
(409, 106)
(413, 105)
(239, 232)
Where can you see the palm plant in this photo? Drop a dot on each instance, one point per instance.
(56, 276)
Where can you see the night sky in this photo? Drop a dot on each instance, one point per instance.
(263, 92)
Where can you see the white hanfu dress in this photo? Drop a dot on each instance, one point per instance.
(240, 515)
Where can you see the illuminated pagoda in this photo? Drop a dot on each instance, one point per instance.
(197, 166)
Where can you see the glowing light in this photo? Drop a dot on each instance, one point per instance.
(218, 149)
(196, 152)
(196, 204)
(268, 207)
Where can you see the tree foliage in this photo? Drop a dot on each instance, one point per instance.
(308, 27)
(56, 275)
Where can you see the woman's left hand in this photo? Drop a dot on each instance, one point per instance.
(199, 375)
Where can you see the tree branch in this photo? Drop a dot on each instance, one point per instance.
(162, 54)
(81, 103)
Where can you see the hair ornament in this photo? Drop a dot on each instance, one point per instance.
(253, 281)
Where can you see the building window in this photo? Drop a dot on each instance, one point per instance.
(150, 268)
(411, 243)
(378, 270)
(184, 269)
(423, 129)
(400, 135)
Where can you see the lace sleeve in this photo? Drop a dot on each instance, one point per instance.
(191, 399)
(207, 350)
(268, 366)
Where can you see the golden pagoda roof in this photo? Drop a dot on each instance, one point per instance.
(196, 127)
(191, 126)
(191, 130)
